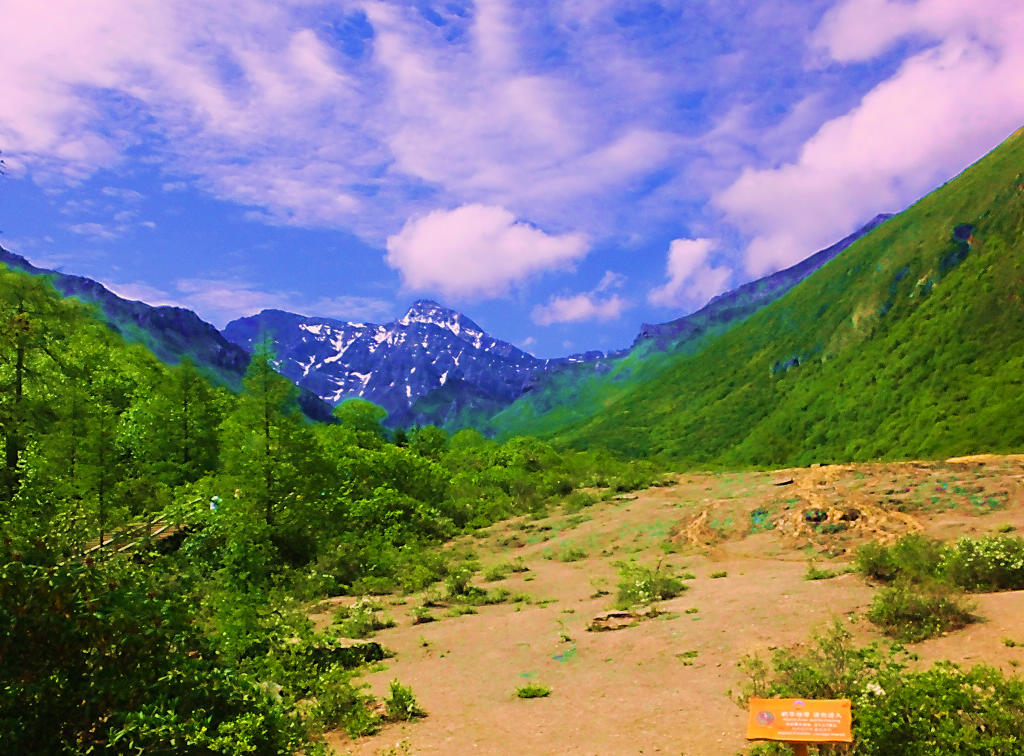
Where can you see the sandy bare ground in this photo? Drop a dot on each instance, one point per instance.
(663, 685)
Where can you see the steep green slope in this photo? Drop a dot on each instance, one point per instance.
(910, 343)
(573, 394)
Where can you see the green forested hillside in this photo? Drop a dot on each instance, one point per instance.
(910, 343)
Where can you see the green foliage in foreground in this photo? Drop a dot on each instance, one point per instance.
(909, 344)
(943, 709)
(104, 657)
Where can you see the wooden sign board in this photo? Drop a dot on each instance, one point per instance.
(800, 720)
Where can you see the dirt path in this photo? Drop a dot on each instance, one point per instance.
(663, 685)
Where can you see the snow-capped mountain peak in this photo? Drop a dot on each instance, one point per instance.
(431, 313)
(392, 364)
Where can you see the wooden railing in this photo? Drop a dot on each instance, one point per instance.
(129, 536)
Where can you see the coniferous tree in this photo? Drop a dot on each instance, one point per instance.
(263, 437)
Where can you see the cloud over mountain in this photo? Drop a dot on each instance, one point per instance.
(477, 251)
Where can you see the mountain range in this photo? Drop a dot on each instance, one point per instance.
(905, 338)
(433, 365)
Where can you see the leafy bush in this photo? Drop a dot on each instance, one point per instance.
(361, 619)
(816, 573)
(914, 612)
(992, 563)
(533, 691)
(578, 500)
(341, 704)
(941, 710)
(944, 709)
(401, 705)
(914, 556)
(639, 585)
(97, 654)
(458, 582)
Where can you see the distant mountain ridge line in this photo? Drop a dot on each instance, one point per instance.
(432, 365)
(171, 333)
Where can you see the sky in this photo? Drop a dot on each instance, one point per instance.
(561, 171)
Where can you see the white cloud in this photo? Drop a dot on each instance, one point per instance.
(221, 300)
(946, 106)
(477, 251)
(121, 193)
(691, 278)
(480, 120)
(254, 99)
(577, 308)
(610, 280)
(96, 230)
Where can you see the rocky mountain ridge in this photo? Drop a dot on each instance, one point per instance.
(391, 364)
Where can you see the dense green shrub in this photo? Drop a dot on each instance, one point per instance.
(913, 556)
(339, 703)
(992, 563)
(916, 611)
(94, 655)
(401, 705)
(578, 500)
(640, 585)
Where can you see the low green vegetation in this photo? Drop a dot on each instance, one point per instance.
(360, 620)
(926, 579)
(988, 563)
(532, 690)
(896, 709)
(401, 705)
(816, 573)
(640, 585)
(915, 611)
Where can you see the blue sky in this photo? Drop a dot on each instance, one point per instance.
(560, 171)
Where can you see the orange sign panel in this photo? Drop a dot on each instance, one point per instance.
(800, 720)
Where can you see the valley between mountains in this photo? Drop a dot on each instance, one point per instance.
(304, 534)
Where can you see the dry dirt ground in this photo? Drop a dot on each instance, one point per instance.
(663, 685)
